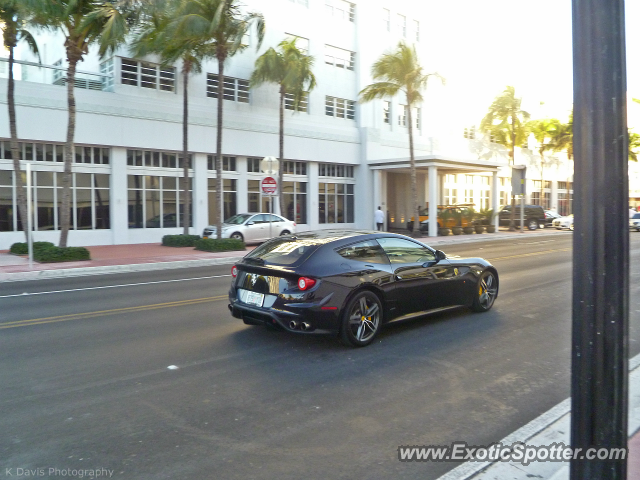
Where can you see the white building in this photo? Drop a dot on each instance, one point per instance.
(343, 158)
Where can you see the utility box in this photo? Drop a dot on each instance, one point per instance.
(518, 180)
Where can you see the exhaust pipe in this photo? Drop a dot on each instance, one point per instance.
(293, 324)
(304, 326)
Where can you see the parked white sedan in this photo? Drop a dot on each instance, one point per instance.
(252, 227)
(563, 222)
(634, 222)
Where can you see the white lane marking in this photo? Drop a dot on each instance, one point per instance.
(113, 286)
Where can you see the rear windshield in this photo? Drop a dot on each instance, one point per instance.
(282, 252)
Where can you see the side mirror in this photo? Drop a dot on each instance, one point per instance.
(440, 255)
(250, 223)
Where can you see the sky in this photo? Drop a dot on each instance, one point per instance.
(481, 46)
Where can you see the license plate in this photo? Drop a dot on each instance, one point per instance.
(205, 237)
(254, 298)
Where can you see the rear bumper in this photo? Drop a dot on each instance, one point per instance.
(307, 318)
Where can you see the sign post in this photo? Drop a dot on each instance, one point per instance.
(269, 187)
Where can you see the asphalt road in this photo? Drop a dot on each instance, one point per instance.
(85, 381)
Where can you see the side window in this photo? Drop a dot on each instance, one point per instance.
(368, 252)
(272, 218)
(400, 250)
(257, 219)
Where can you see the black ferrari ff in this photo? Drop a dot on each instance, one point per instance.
(350, 283)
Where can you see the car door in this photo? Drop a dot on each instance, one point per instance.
(254, 229)
(420, 280)
(274, 228)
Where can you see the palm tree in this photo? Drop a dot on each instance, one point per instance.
(400, 71)
(224, 24)
(634, 144)
(290, 69)
(13, 18)
(83, 23)
(544, 131)
(563, 138)
(158, 34)
(506, 122)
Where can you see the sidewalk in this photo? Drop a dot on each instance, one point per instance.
(153, 256)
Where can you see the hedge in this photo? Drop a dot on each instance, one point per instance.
(22, 248)
(219, 245)
(180, 240)
(57, 254)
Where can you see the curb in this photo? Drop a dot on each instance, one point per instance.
(108, 269)
(141, 267)
(552, 426)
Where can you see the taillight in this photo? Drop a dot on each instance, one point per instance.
(294, 224)
(304, 283)
(234, 271)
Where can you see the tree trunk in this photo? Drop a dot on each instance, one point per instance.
(414, 183)
(186, 208)
(69, 151)
(15, 154)
(512, 220)
(218, 157)
(281, 153)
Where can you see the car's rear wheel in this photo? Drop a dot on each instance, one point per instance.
(285, 232)
(532, 225)
(237, 236)
(361, 319)
(486, 292)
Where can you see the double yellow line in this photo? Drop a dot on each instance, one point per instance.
(530, 254)
(114, 311)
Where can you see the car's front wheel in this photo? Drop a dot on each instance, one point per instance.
(486, 292)
(361, 319)
(237, 236)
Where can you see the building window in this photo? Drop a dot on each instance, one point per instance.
(253, 165)
(295, 201)
(402, 117)
(154, 201)
(107, 70)
(335, 170)
(341, 10)
(339, 57)
(50, 152)
(302, 43)
(470, 132)
(340, 108)
(89, 201)
(229, 195)
(386, 19)
(234, 89)
(416, 30)
(416, 117)
(336, 202)
(386, 111)
(151, 159)
(147, 75)
(256, 200)
(294, 168)
(402, 25)
(303, 103)
(228, 163)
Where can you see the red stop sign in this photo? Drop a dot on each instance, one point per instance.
(269, 186)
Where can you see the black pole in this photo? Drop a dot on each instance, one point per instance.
(599, 385)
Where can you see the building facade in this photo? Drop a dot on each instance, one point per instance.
(342, 158)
